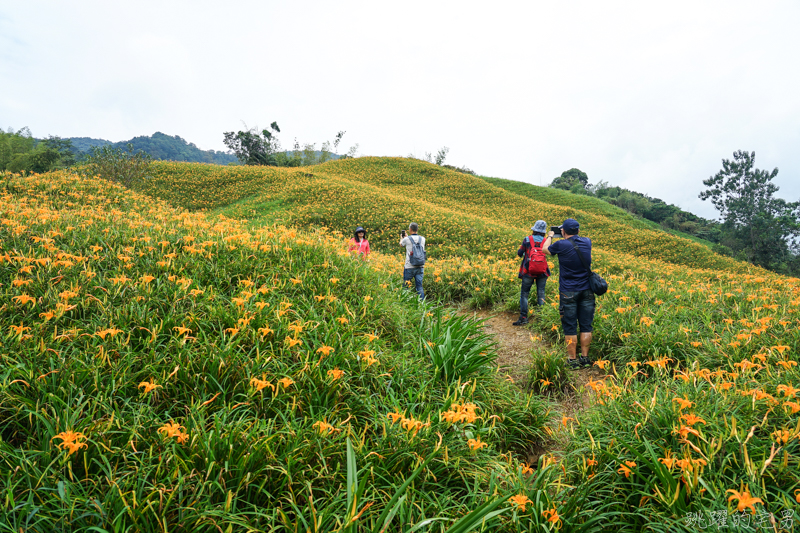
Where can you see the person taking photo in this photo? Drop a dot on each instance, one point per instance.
(414, 267)
(576, 301)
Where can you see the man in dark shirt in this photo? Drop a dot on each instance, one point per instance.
(576, 299)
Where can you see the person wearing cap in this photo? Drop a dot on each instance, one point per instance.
(536, 238)
(359, 245)
(576, 299)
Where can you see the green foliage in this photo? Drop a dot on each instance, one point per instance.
(756, 223)
(20, 152)
(548, 371)
(457, 347)
(252, 148)
(571, 179)
(126, 166)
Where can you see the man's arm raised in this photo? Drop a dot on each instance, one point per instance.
(547, 242)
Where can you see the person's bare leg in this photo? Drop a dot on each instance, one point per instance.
(572, 345)
(586, 340)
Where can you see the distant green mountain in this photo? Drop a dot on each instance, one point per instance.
(159, 146)
(85, 144)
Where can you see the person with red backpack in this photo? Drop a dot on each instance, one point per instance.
(533, 268)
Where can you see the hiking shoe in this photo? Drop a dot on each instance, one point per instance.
(519, 322)
(574, 364)
(585, 361)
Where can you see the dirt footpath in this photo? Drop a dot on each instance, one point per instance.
(516, 348)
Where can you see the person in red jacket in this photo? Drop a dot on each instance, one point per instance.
(359, 245)
(536, 238)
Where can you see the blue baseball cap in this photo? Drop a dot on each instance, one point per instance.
(571, 226)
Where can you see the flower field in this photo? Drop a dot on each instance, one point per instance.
(165, 369)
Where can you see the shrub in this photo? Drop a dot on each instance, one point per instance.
(123, 166)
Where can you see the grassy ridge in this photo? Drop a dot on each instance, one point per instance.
(460, 214)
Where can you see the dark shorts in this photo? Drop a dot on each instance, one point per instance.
(576, 308)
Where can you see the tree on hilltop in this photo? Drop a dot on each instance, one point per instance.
(574, 180)
(252, 148)
(760, 227)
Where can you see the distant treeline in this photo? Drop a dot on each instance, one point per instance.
(20, 151)
(164, 147)
(755, 226)
(669, 216)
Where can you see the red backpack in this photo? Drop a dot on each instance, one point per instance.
(537, 261)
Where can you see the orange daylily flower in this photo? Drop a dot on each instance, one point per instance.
(148, 386)
(23, 299)
(335, 373)
(325, 350)
(285, 382)
(684, 431)
(110, 331)
(668, 460)
(395, 416)
(476, 444)
(324, 427)
(793, 406)
(173, 429)
(683, 403)
(601, 364)
(19, 330)
(692, 419)
(520, 500)
(70, 440)
(626, 468)
(293, 342)
(745, 500)
(783, 435)
(787, 390)
(551, 515)
(261, 384)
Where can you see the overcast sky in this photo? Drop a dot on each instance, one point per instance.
(645, 97)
